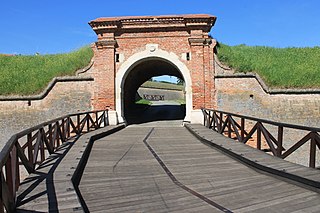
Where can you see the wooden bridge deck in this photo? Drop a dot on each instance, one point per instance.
(145, 169)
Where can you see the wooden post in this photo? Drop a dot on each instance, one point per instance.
(242, 128)
(50, 136)
(229, 125)
(78, 124)
(312, 160)
(220, 123)
(42, 153)
(68, 127)
(9, 177)
(63, 130)
(87, 120)
(97, 124)
(30, 147)
(280, 141)
(259, 136)
(214, 123)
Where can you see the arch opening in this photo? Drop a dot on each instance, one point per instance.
(162, 106)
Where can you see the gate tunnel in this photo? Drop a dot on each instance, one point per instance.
(139, 73)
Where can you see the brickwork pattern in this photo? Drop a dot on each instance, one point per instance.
(169, 36)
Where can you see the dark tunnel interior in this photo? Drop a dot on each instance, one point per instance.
(139, 74)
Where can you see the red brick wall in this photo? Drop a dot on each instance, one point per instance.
(174, 41)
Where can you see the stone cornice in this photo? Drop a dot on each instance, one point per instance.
(200, 41)
(106, 44)
(202, 21)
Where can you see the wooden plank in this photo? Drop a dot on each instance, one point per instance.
(137, 176)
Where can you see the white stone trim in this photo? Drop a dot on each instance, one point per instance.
(196, 116)
(137, 58)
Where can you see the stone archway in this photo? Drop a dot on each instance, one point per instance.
(152, 53)
(183, 41)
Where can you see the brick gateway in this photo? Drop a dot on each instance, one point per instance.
(131, 50)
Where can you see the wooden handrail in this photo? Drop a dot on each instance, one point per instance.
(30, 147)
(225, 123)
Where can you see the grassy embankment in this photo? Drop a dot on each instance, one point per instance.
(278, 67)
(27, 75)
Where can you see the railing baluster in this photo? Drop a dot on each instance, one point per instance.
(7, 198)
(242, 128)
(97, 117)
(219, 124)
(280, 141)
(30, 147)
(42, 153)
(9, 176)
(68, 127)
(229, 125)
(87, 121)
(50, 136)
(103, 120)
(16, 171)
(78, 124)
(63, 132)
(312, 160)
(259, 137)
(213, 121)
(58, 130)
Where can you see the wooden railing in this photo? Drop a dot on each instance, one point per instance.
(242, 128)
(29, 148)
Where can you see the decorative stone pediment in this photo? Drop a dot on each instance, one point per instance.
(201, 21)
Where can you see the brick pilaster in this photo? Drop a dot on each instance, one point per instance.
(104, 74)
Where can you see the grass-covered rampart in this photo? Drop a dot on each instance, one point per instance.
(27, 75)
(279, 67)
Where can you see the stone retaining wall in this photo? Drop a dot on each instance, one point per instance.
(63, 99)
(245, 96)
(166, 94)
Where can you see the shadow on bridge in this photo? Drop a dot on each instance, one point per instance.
(157, 111)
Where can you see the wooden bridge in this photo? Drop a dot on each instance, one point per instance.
(79, 163)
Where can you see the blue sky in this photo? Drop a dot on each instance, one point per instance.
(61, 26)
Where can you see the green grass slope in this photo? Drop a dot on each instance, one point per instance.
(278, 67)
(27, 75)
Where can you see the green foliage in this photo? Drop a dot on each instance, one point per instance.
(279, 67)
(143, 102)
(26, 75)
(181, 101)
